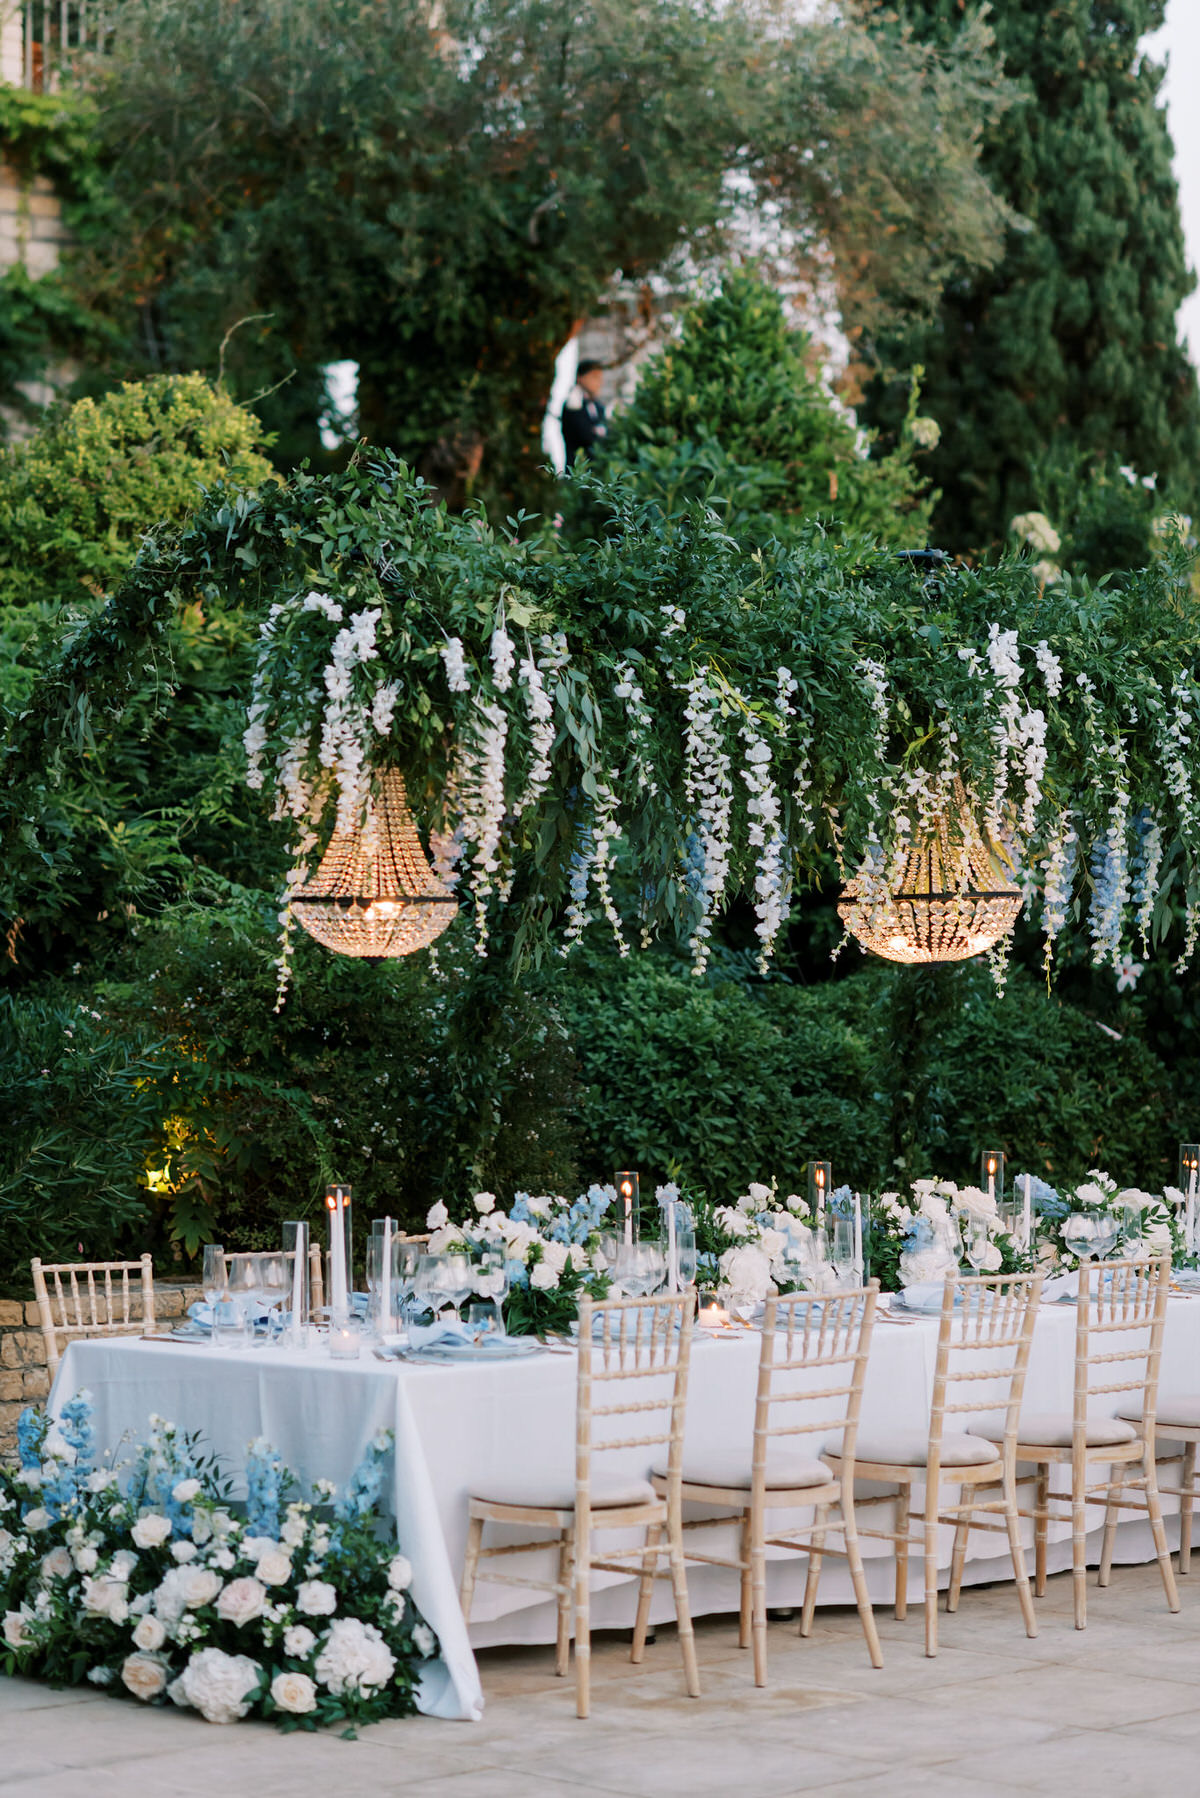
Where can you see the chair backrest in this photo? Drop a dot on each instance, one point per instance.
(807, 1338)
(316, 1274)
(983, 1353)
(633, 1365)
(91, 1298)
(1120, 1318)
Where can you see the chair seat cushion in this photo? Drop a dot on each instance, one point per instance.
(1179, 1408)
(1052, 1429)
(733, 1472)
(910, 1448)
(609, 1491)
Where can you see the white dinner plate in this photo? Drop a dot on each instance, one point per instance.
(495, 1348)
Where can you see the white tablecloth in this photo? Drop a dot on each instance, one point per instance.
(454, 1425)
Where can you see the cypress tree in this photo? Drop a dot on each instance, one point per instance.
(1067, 349)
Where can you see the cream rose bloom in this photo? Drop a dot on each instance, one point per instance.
(87, 1558)
(105, 1597)
(149, 1634)
(399, 1573)
(185, 1491)
(316, 1598)
(144, 1675)
(57, 1564)
(298, 1641)
(218, 1685)
(16, 1632)
(294, 1692)
(274, 1567)
(37, 1520)
(242, 1601)
(185, 1589)
(151, 1531)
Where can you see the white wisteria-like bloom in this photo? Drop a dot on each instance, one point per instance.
(503, 657)
(708, 786)
(451, 652)
(1038, 532)
(1050, 667)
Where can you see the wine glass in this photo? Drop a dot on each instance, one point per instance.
(1079, 1233)
(457, 1281)
(405, 1258)
(975, 1240)
(243, 1285)
(1107, 1233)
(274, 1281)
(215, 1282)
(428, 1292)
(842, 1252)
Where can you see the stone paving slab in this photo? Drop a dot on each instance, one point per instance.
(1112, 1707)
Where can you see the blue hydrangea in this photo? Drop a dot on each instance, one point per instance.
(518, 1273)
(1044, 1199)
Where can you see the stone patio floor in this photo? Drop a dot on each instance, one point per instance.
(1114, 1708)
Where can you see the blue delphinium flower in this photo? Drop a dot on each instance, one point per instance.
(517, 1272)
(265, 1478)
(78, 1429)
(360, 1495)
(31, 1429)
(519, 1209)
(1044, 1199)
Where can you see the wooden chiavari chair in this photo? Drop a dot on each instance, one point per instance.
(983, 1349)
(91, 1298)
(803, 1338)
(633, 1356)
(1123, 1302)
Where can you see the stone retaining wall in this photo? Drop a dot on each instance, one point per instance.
(24, 1379)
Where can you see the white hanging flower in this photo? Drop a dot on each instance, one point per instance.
(451, 652)
(503, 658)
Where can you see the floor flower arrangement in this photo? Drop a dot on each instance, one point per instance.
(144, 1579)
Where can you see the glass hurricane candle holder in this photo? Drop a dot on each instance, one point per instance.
(820, 1185)
(344, 1339)
(991, 1174)
(628, 1204)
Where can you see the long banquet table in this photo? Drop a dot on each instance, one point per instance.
(456, 1424)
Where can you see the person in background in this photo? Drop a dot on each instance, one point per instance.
(584, 419)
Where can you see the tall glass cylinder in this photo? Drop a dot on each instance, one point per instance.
(628, 1204)
(1189, 1186)
(341, 1249)
(991, 1174)
(820, 1185)
(295, 1248)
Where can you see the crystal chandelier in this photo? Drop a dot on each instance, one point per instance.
(375, 895)
(954, 899)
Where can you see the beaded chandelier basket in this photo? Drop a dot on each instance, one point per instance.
(375, 895)
(954, 899)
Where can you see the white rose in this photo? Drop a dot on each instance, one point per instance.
(151, 1531)
(30, 1478)
(275, 1567)
(974, 1200)
(397, 1604)
(772, 1242)
(992, 1259)
(424, 1640)
(399, 1573)
(105, 1597)
(436, 1216)
(15, 1632)
(36, 1520)
(292, 1533)
(746, 1272)
(185, 1491)
(149, 1634)
(294, 1692)
(254, 1546)
(144, 1675)
(354, 1658)
(1156, 1238)
(101, 1480)
(219, 1685)
(183, 1551)
(185, 1589)
(543, 1277)
(485, 1202)
(201, 1528)
(316, 1598)
(122, 1564)
(57, 1564)
(242, 1601)
(758, 1194)
(298, 1641)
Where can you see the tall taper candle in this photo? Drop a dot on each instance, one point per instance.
(1027, 1215)
(858, 1254)
(385, 1281)
(300, 1255)
(339, 1296)
(672, 1250)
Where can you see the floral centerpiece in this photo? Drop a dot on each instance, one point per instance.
(142, 1579)
(1145, 1223)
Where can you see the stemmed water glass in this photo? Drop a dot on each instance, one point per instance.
(406, 1257)
(846, 1266)
(243, 1287)
(215, 1282)
(976, 1240)
(457, 1281)
(274, 1281)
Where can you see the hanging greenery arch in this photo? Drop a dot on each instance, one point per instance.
(717, 718)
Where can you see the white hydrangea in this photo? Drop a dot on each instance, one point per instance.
(218, 1685)
(354, 1658)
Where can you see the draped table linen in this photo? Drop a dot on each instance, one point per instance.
(457, 1427)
